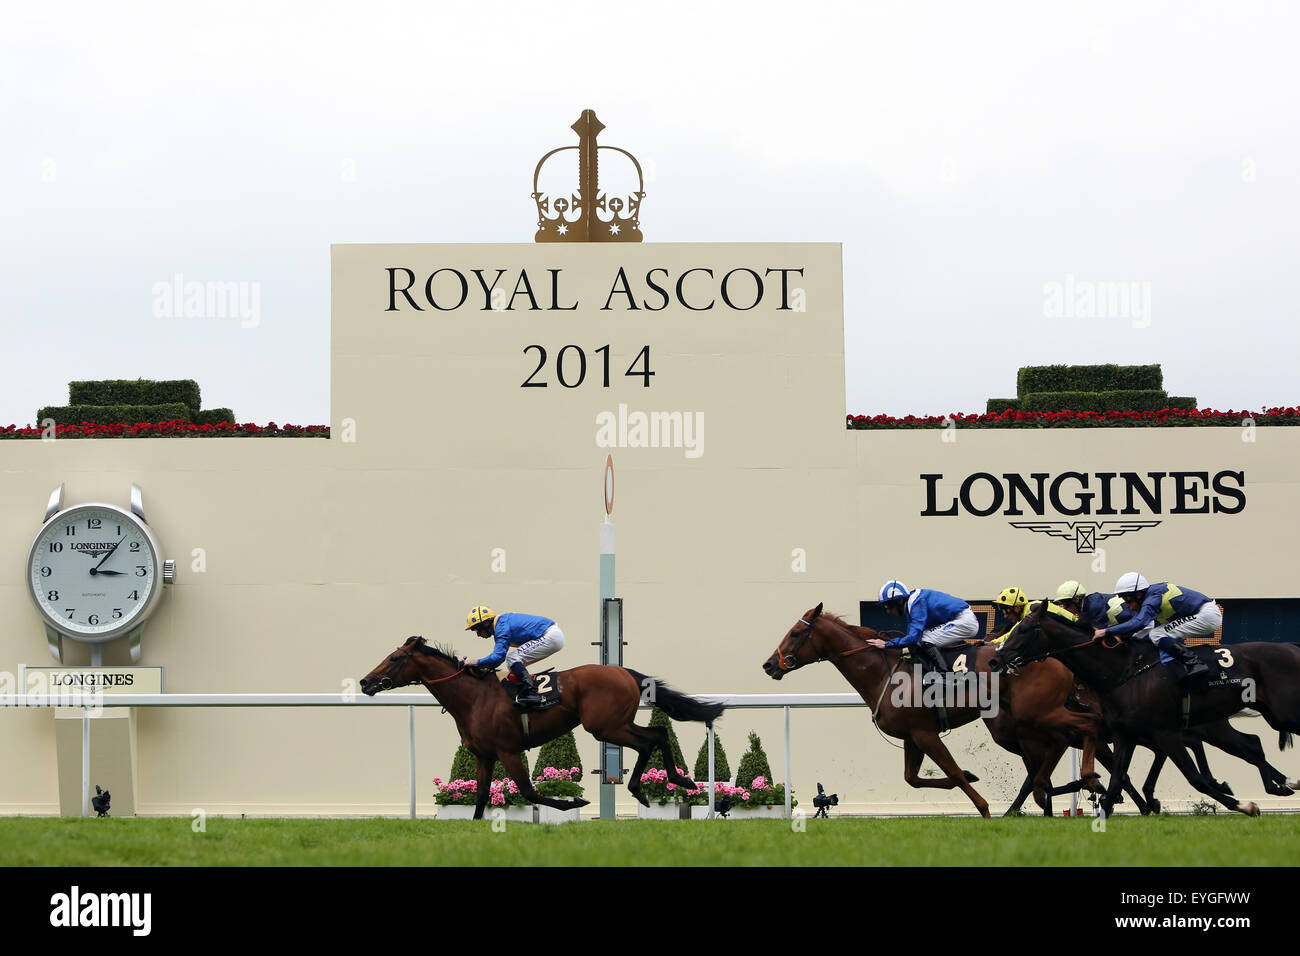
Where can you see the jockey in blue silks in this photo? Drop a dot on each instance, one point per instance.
(520, 640)
(934, 620)
(1165, 614)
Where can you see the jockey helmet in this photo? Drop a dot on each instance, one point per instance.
(479, 614)
(893, 590)
(1070, 591)
(1130, 583)
(1011, 597)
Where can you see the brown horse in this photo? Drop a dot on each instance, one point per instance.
(827, 637)
(1032, 720)
(1139, 700)
(603, 699)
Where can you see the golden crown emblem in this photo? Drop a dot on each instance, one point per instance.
(588, 215)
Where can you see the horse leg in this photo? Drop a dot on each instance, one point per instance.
(627, 737)
(1118, 772)
(1171, 742)
(1025, 789)
(1108, 761)
(514, 765)
(1245, 746)
(930, 742)
(1051, 756)
(1197, 748)
(664, 743)
(484, 786)
(1149, 786)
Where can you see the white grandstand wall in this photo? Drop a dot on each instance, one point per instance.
(321, 556)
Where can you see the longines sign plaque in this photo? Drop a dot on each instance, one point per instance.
(1073, 493)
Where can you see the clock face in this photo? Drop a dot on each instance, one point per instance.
(94, 572)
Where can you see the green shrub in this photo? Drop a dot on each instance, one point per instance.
(215, 416)
(753, 764)
(996, 406)
(721, 769)
(1185, 402)
(113, 414)
(1088, 378)
(559, 768)
(656, 762)
(139, 392)
(1148, 400)
(560, 753)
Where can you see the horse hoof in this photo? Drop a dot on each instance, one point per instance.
(1226, 789)
(971, 778)
(1293, 784)
(1153, 806)
(1251, 809)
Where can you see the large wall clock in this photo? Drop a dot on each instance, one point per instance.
(96, 573)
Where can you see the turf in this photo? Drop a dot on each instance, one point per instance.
(1217, 840)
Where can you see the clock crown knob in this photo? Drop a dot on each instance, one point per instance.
(169, 571)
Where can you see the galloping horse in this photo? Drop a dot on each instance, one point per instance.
(1139, 700)
(602, 698)
(827, 637)
(1033, 720)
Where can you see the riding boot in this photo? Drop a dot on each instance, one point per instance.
(1185, 666)
(930, 657)
(528, 696)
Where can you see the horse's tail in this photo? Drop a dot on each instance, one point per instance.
(1283, 739)
(674, 703)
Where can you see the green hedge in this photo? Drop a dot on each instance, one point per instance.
(1145, 400)
(114, 414)
(560, 753)
(721, 768)
(656, 762)
(215, 416)
(753, 764)
(1185, 402)
(1088, 378)
(997, 406)
(140, 392)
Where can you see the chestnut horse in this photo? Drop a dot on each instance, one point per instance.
(827, 637)
(602, 698)
(1139, 700)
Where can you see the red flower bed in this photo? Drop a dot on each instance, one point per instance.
(174, 429)
(1069, 419)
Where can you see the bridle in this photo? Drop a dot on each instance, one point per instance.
(386, 683)
(788, 662)
(1015, 665)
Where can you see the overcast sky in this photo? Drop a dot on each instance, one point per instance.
(978, 162)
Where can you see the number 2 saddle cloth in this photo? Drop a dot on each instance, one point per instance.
(548, 689)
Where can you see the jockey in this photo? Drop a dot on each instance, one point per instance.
(1013, 603)
(935, 620)
(521, 639)
(1165, 614)
(1096, 609)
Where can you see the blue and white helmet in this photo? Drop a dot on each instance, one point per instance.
(1131, 582)
(893, 589)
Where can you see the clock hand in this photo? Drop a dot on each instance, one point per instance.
(107, 556)
(94, 571)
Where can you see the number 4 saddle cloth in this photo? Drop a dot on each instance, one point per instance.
(548, 689)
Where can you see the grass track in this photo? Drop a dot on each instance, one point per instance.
(1219, 840)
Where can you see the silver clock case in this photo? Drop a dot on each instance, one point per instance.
(149, 605)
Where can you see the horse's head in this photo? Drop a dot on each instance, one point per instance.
(1036, 636)
(797, 648)
(398, 669)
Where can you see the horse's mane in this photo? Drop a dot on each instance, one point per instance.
(444, 651)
